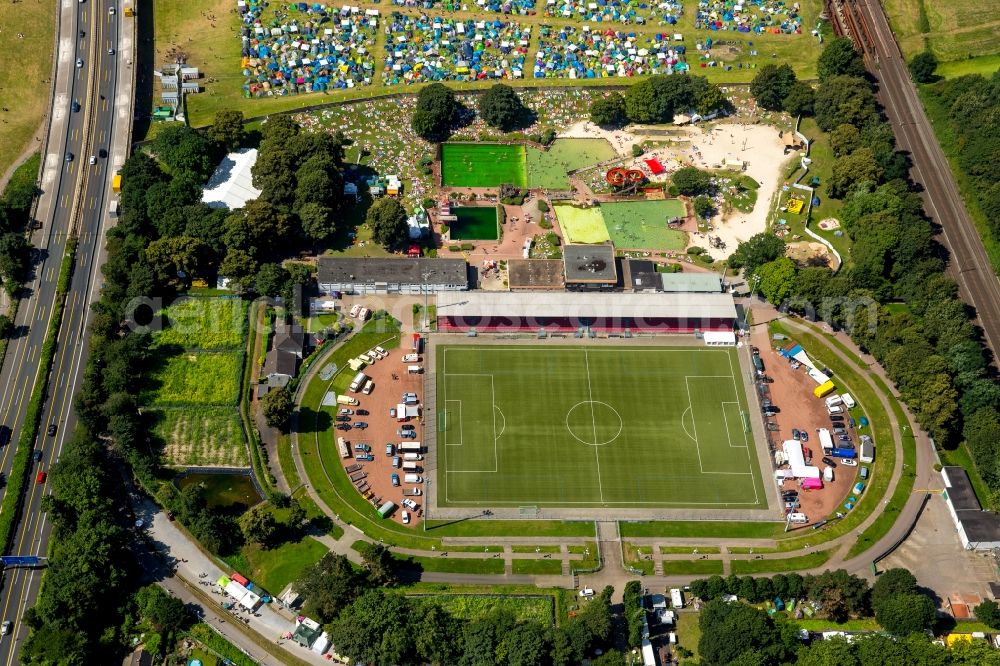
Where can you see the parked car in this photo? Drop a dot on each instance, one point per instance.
(796, 434)
(362, 447)
(343, 417)
(844, 438)
(407, 434)
(406, 517)
(851, 423)
(803, 436)
(361, 425)
(829, 461)
(389, 449)
(587, 592)
(773, 427)
(345, 411)
(365, 457)
(397, 462)
(847, 462)
(395, 480)
(362, 412)
(839, 431)
(407, 427)
(836, 418)
(392, 412)
(343, 426)
(409, 504)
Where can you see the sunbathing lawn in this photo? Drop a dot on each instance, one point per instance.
(548, 168)
(581, 225)
(643, 224)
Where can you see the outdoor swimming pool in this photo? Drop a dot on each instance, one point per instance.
(475, 223)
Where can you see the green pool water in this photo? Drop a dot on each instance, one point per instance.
(474, 223)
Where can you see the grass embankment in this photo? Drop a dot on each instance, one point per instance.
(28, 39)
(709, 529)
(537, 567)
(692, 567)
(274, 568)
(10, 508)
(526, 608)
(801, 562)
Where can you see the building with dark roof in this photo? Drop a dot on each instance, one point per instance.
(535, 275)
(977, 529)
(560, 312)
(387, 275)
(640, 275)
(590, 267)
(279, 367)
(289, 338)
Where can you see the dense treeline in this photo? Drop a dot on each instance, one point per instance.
(926, 341)
(657, 99)
(972, 104)
(15, 211)
(378, 626)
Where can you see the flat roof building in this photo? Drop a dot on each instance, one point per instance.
(535, 274)
(385, 275)
(590, 267)
(692, 283)
(574, 311)
(977, 529)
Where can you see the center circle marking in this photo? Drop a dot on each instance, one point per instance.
(585, 415)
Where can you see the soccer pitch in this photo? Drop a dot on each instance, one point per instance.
(609, 426)
(483, 165)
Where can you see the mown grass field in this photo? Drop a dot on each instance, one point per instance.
(203, 323)
(483, 165)
(643, 224)
(609, 426)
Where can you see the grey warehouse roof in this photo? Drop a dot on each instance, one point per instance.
(582, 304)
(691, 282)
(980, 526)
(590, 263)
(367, 270)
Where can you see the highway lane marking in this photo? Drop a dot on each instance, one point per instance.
(65, 199)
(93, 202)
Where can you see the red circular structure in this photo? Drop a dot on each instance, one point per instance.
(620, 177)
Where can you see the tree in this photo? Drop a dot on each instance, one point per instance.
(173, 256)
(329, 586)
(844, 139)
(387, 219)
(228, 129)
(712, 100)
(374, 629)
(800, 99)
(704, 207)
(240, 268)
(182, 148)
(988, 613)
(277, 408)
(691, 181)
(635, 614)
(527, 645)
(922, 67)
(839, 58)
(657, 98)
(272, 280)
(609, 110)
(905, 614)
(14, 250)
(379, 564)
(858, 167)
(730, 630)
(437, 111)
(756, 251)
(771, 85)
(6, 327)
(845, 99)
(165, 612)
(434, 636)
(892, 583)
(317, 221)
(259, 525)
(500, 107)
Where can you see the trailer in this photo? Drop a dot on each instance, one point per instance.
(358, 381)
(409, 447)
(417, 343)
(823, 389)
(369, 387)
(345, 451)
(386, 509)
(825, 439)
(848, 400)
(843, 453)
(676, 598)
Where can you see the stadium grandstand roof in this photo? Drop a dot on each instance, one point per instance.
(582, 304)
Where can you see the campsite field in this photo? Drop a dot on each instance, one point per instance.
(482, 165)
(548, 168)
(643, 224)
(581, 224)
(610, 426)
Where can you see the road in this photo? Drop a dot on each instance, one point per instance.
(970, 266)
(73, 201)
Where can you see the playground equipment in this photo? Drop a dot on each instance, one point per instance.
(622, 178)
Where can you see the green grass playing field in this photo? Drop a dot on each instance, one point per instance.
(608, 426)
(483, 165)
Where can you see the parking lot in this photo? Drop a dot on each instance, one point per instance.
(791, 393)
(379, 437)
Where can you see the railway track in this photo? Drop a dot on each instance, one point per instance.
(865, 22)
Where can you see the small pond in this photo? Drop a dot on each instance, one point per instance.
(223, 490)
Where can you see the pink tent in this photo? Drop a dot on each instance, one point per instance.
(812, 484)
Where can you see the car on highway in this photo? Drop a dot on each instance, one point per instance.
(111, 51)
(5, 627)
(75, 106)
(93, 159)
(360, 425)
(847, 462)
(40, 479)
(51, 430)
(37, 455)
(111, 11)
(69, 157)
(79, 62)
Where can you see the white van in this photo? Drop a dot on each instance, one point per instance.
(835, 409)
(366, 358)
(411, 358)
(798, 518)
(411, 466)
(414, 369)
(848, 401)
(413, 478)
(412, 456)
(369, 387)
(833, 400)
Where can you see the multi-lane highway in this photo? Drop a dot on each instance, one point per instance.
(82, 125)
(970, 265)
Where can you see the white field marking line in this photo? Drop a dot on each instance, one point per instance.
(593, 422)
(725, 419)
(694, 423)
(461, 432)
(504, 426)
(736, 392)
(593, 503)
(684, 425)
